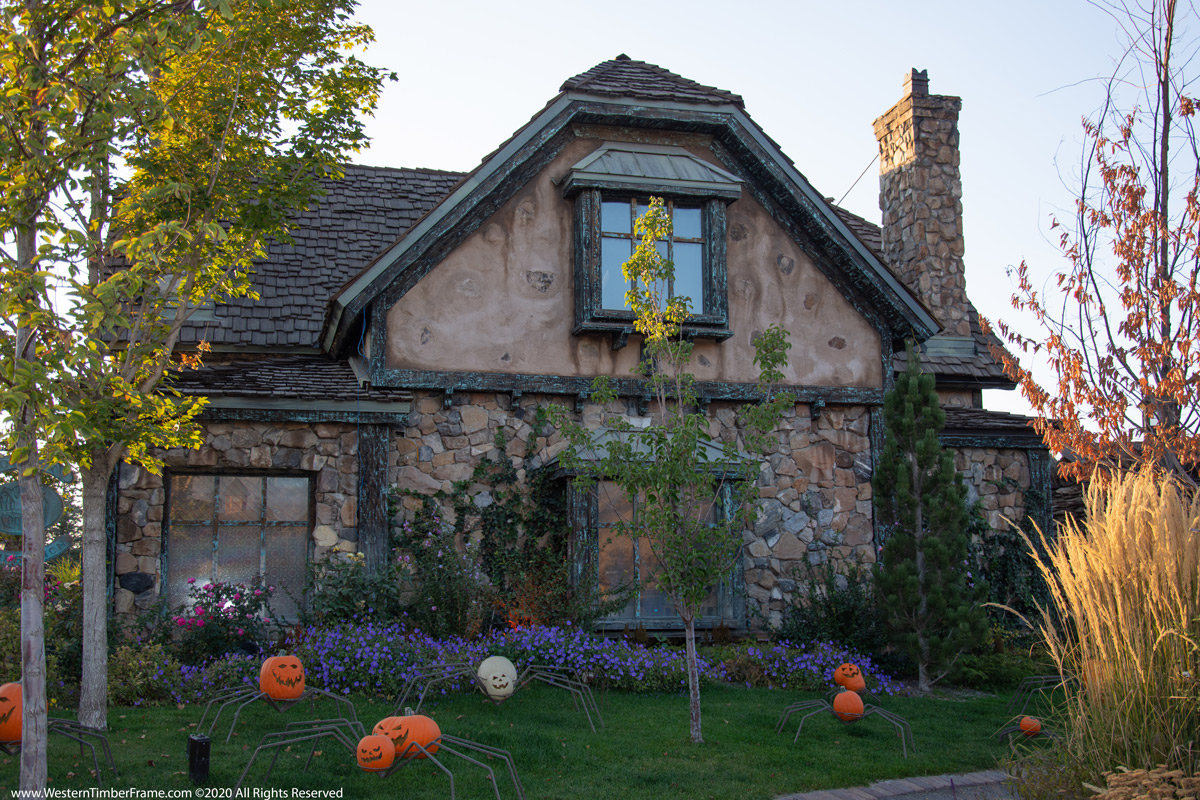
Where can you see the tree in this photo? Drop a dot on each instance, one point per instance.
(185, 158)
(932, 609)
(669, 469)
(1123, 335)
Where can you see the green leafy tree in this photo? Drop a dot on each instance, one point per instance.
(934, 610)
(672, 469)
(157, 148)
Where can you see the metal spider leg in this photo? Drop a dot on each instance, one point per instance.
(353, 728)
(76, 732)
(863, 694)
(799, 706)
(224, 698)
(825, 707)
(490, 752)
(1015, 729)
(344, 732)
(238, 712)
(312, 694)
(903, 730)
(1034, 684)
(432, 675)
(581, 695)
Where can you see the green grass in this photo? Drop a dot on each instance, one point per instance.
(643, 752)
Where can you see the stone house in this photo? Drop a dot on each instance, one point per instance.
(420, 312)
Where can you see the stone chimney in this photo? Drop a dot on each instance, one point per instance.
(920, 194)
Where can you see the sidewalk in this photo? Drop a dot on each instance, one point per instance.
(987, 785)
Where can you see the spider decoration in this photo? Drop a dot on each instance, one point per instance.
(281, 684)
(847, 705)
(11, 708)
(394, 743)
(498, 679)
(1035, 684)
(1029, 727)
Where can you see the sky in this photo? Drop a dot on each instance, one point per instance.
(812, 75)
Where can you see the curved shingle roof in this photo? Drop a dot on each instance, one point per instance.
(624, 77)
(343, 231)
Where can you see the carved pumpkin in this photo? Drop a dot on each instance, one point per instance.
(848, 706)
(391, 727)
(1030, 726)
(10, 712)
(281, 678)
(498, 676)
(375, 753)
(420, 729)
(849, 676)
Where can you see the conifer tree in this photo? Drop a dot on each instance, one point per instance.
(933, 609)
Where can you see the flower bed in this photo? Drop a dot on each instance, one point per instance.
(377, 659)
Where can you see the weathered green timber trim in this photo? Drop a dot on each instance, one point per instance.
(211, 414)
(111, 499)
(716, 285)
(587, 255)
(625, 387)
(651, 186)
(1007, 441)
(373, 443)
(469, 206)
(1041, 490)
(875, 432)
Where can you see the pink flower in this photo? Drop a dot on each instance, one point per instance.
(180, 621)
(241, 632)
(191, 580)
(199, 623)
(237, 597)
(270, 588)
(199, 611)
(257, 592)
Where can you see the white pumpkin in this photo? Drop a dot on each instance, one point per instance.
(498, 676)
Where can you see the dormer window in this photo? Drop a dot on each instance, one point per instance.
(612, 187)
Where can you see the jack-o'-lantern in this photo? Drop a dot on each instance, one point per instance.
(281, 678)
(498, 676)
(848, 706)
(391, 727)
(10, 712)
(375, 753)
(1030, 726)
(850, 677)
(416, 728)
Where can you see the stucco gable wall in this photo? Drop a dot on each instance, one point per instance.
(503, 301)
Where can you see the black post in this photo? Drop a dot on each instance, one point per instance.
(198, 749)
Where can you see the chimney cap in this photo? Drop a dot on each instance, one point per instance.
(916, 82)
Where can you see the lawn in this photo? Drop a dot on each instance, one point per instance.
(643, 752)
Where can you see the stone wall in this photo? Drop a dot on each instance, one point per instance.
(815, 486)
(325, 450)
(1000, 480)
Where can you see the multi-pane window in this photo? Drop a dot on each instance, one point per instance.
(246, 529)
(623, 560)
(685, 248)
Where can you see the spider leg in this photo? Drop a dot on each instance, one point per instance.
(798, 706)
(580, 693)
(903, 730)
(428, 755)
(312, 694)
(823, 708)
(274, 741)
(225, 698)
(432, 675)
(238, 712)
(443, 747)
(491, 752)
(76, 732)
(84, 730)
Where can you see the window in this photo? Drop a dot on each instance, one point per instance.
(247, 529)
(612, 187)
(685, 249)
(621, 561)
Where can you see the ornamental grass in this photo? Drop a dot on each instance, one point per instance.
(1125, 622)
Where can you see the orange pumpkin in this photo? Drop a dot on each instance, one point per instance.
(848, 706)
(850, 677)
(375, 753)
(10, 712)
(1030, 726)
(391, 727)
(281, 678)
(416, 728)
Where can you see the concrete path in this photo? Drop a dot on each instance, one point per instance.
(988, 785)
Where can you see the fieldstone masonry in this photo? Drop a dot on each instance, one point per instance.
(920, 194)
(815, 484)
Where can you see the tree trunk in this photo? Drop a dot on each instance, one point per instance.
(93, 689)
(689, 638)
(923, 658)
(33, 571)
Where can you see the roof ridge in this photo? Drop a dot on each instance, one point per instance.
(382, 168)
(596, 74)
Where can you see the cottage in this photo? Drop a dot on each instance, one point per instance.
(418, 313)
